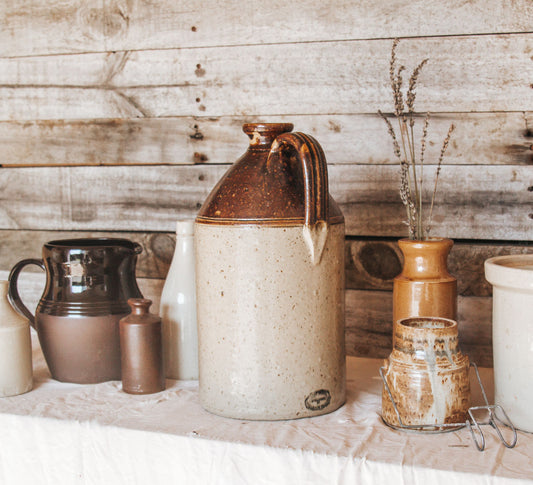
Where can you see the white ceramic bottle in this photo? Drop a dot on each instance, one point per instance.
(16, 372)
(178, 308)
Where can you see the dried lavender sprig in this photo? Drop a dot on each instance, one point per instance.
(395, 144)
(396, 85)
(442, 152)
(392, 65)
(399, 111)
(411, 92)
(405, 194)
(422, 151)
(405, 184)
(412, 226)
(398, 94)
(410, 102)
(407, 163)
(396, 80)
(408, 149)
(410, 188)
(424, 138)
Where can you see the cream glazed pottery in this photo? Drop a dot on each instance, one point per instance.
(270, 283)
(426, 374)
(16, 371)
(512, 335)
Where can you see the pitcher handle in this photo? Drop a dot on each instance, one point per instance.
(13, 292)
(315, 174)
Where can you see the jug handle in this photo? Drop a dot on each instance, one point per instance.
(315, 174)
(13, 293)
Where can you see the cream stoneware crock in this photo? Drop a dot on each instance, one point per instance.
(270, 283)
(512, 335)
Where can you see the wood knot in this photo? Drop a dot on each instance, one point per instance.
(197, 135)
(380, 261)
(107, 21)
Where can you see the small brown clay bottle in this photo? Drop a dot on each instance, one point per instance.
(141, 349)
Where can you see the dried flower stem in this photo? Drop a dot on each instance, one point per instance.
(442, 152)
(422, 151)
(412, 175)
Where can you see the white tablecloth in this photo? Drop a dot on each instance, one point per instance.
(67, 434)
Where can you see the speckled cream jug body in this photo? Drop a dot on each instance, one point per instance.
(270, 283)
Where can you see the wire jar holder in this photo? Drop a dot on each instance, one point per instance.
(472, 423)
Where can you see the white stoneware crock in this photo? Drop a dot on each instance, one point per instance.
(512, 335)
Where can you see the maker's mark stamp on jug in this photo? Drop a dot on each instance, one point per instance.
(318, 400)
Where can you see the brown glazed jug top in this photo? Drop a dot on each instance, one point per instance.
(267, 184)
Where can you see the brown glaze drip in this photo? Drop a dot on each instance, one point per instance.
(268, 184)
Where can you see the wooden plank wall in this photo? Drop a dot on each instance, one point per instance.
(118, 117)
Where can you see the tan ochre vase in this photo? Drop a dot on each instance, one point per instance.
(270, 283)
(427, 374)
(424, 287)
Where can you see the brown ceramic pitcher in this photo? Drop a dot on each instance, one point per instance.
(88, 284)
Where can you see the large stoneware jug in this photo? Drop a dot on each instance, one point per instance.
(88, 283)
(270, 283)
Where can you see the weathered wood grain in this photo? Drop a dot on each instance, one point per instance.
(368, 318)
(56, 26)
(479, 138)
(103, 198)
(303, 78)
(494, 202)
(370, 264)
(138, 85)
(38, 103)
(471, 203)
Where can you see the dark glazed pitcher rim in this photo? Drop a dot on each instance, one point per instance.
(89, 243)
